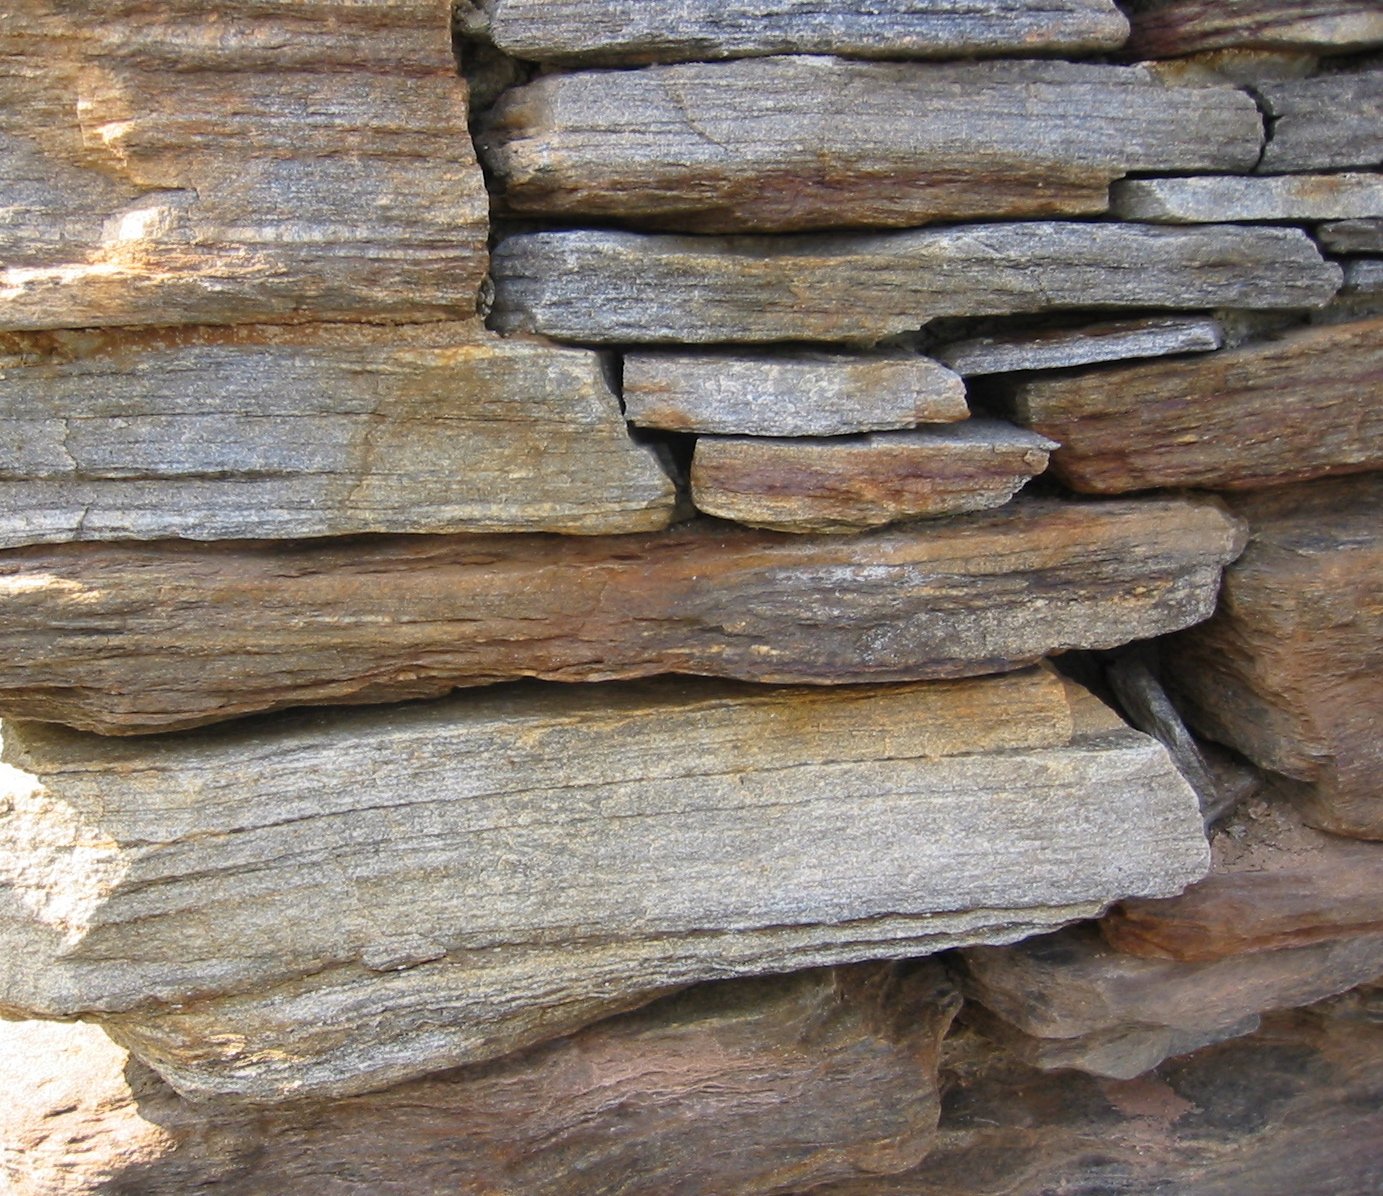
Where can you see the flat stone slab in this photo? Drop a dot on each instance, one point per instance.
(608, 287)
(1295, 407)
(850, 483)
(634, 31)
(256, 163)
(127, 639)
(381, 894)
(1352, 236)
(1058, 348)
(788, 394)
(1164, 28)
(839, 144)
(1363, 276)
(1324, 123)
(281, 432)
(1265, 197)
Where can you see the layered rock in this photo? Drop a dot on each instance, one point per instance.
(1352, 236)
(1170, 27)
(1325, 123)
(1087, 344)
(409, 890)
(1305, 197)
(141, 638)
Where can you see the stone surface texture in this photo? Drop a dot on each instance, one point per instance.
(1089, 344)
(1352, 236)
(1306, 197)
(1164, 28)
(1326, 123)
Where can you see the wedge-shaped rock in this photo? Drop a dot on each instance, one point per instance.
(277, 432)
(1325, 123)
(634, 31)
(1162, 28)
(1055, 348)
(1300, 406)
(622, 287)
(747, 1086)
(173, 168)
(837, 144)
(377, 895)
(1352, 236)
(1275, 197)
(1290, 670)
(788, 395)
(130, 639)
(850, 483)
(1070, 1000)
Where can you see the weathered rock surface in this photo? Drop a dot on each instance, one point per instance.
(378, 895)
(1070, 1000)
(788, 395)
(1363, 276)
(1057, 348)
(839, 144)
(1352, 236)
(635, 31)
(847, 484)
(750, 1086)
(621, 287)
(142, 638)
(1325, 123)
(263, 432)
(1290, 670)
(1209, 200)
(1295, 407)
(1162, 28)
(168, 166)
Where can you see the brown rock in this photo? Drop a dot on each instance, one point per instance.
(754, 1086)
(1299, 406)
(1167, 27)
(847, 484)
(130, 639)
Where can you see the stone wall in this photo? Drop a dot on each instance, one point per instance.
(606, 598)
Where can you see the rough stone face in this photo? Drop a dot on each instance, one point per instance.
(788, 395)
(838, 144)
(1325, 123)
(1070, 1000)
(1276, 197)
(143, 638)
(1162, 28)
(1295, 407)
(377, 895)
(1352, 236)
(851, 483)
(749, 1086)
(164, 166)
(621, 287)
(280, 432)
(1057, 348)
(635, 31)
(1290, 670)
(1363, 276)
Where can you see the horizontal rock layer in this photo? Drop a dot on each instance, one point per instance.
(1162, 28)
(378, 895)
(788, 395)
(1352, 236)
(621, 287)
(1056, 348)
(1324, 123)
(131, 639)
(275, 432)
(849, 483)
(634, 31)
(1296, 407)
(838, 144)
(1279, 197)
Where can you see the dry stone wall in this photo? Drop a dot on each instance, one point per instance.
(849, 534)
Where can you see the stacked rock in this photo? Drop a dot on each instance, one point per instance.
(636, 450)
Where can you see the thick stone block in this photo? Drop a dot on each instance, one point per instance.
(1325, 123)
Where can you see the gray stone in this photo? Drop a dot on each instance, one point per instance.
(1324, 123)
(1352, 236)
(1271, 197)
(1058, 348)
(1363, 276)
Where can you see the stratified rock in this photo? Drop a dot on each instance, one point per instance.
(1325, 123)
(1275, 884)
(1352, 236)
(797, 395)
(131, 639)
(1167, 27)
(839, 144)
(253, 163)
(1290, 670)
(281, 432)
(634, 31)
(1070, 1000)
(851, 483)
(610, 287)
(1295, 407)
(1264, 197)
(377, 895)
(1057, 348)
(1363, 276)
(750, 1086)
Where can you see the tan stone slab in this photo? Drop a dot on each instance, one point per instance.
(1209, 200)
